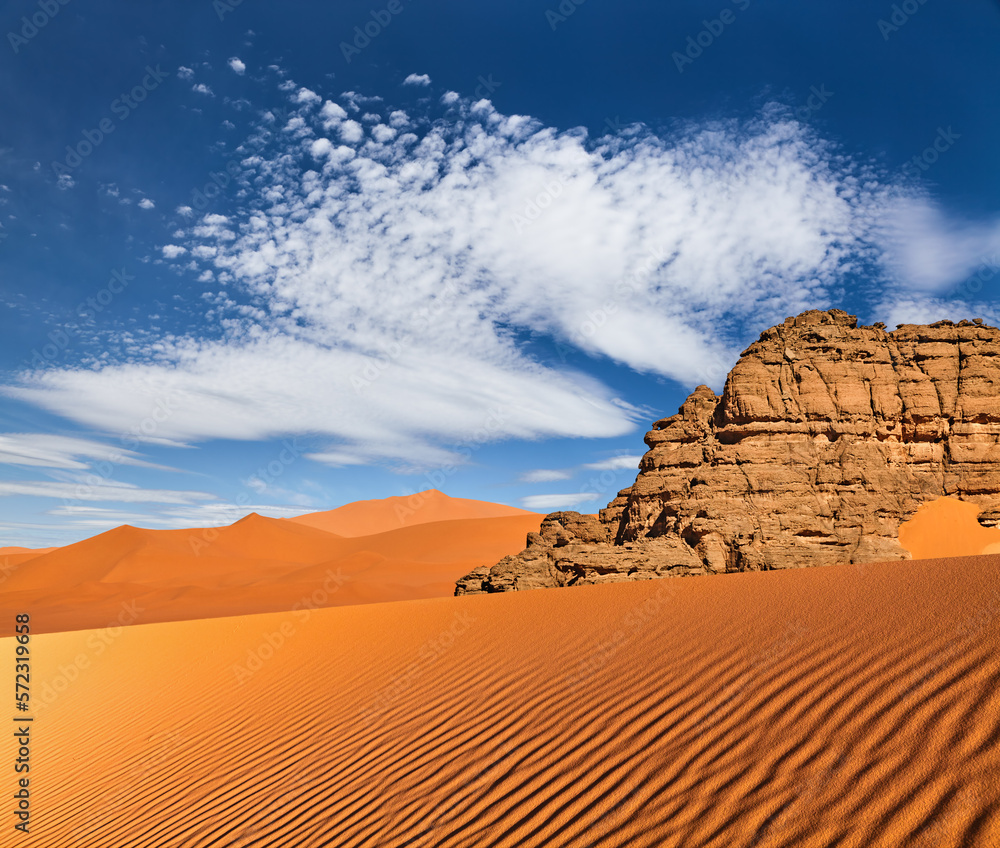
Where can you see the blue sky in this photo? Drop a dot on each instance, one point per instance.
(255, 258)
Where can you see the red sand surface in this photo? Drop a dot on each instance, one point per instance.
(848, 706)
(129, 575)
(363, 518)
(17, 550)
(948, 527)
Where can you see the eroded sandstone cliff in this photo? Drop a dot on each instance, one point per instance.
(826, 437)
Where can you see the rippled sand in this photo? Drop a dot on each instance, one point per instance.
(849, 706)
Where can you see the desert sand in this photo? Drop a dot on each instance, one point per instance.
(129, 575)
(948, 527)
(364, 518)
(850, 705)
(18, 550)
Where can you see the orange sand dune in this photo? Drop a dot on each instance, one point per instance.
(17, 550)
(948, 527)
(132, 555)
(258, 564)
(363, 518)
(10, 562)
(848, 706)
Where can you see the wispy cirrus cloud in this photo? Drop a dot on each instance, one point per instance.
(202, 515)
(99, 490)
(47, 450)
(547, 503)
(545, 475)
(930, 252)
(615, 463)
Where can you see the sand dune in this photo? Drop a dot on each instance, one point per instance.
(948, 527)
(11, 562)
(262, 565)
(255, 565)
(17, 550)
(364, 518)
(837, 706)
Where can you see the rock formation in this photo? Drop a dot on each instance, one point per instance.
(826, 437)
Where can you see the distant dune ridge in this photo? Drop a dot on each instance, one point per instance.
(18, 550)
(827, 435)
(362, 518)
(855, 705)
(397, 549)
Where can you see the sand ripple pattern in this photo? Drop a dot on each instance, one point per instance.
(818, 707)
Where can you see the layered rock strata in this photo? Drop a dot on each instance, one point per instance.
(826, 437)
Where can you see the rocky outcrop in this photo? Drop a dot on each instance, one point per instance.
(826, 437)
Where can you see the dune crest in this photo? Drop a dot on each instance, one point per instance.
(364, 518)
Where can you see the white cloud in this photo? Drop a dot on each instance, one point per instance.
(185, 73)
(51, 451)
(332, 114)
(304, 95)
(237, 65)
(351, 132)
(926, 309)
(90, 512)
(429, 407)
(104, 490)
(550, 503)
(931, 252)
(615, 463)
(185, 211)
(146, 203)
(388, 275)
(544, 475)
(98, 516)
(201, 88)
(417, 79)
(321, 147)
